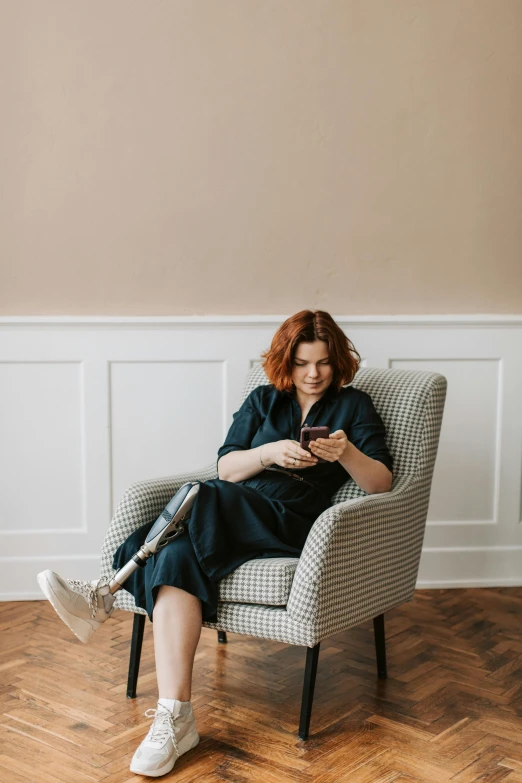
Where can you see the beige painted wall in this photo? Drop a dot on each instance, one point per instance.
(260, 156)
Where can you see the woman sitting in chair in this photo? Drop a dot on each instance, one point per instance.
(268, 495)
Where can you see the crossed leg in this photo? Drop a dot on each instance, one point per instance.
(169, 587)
(178, 595)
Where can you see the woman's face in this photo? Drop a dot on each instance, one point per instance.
(312, 372)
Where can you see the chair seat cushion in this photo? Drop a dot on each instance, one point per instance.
(260, 581)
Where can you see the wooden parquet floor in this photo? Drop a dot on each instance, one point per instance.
(450, 709)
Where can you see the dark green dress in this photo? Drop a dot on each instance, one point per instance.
(268, 515)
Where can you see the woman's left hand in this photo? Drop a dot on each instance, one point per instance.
(332, 448)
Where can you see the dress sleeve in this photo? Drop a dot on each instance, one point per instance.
(367, 432)
(245, 424)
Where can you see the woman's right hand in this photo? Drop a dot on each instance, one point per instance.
(289, 454)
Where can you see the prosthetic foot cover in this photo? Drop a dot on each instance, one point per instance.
(83, 606)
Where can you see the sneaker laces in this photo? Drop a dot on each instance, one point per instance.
(89, 591)
(162, 727)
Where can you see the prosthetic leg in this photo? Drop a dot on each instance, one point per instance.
(168, 526)
(83, 606)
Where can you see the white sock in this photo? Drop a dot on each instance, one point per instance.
(169, 703)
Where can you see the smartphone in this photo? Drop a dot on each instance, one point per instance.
(312, 433)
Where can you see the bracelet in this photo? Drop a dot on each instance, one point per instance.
(260, 452)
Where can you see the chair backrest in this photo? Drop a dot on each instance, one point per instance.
(410, 403)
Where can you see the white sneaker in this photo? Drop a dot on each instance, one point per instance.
(83, 606)
(171, 735)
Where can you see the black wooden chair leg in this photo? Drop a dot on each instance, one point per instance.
(312, 656)
(135, 655)
(222, 637)
(380, 645)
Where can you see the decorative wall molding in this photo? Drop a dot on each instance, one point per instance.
(245, 321)
(90, 404)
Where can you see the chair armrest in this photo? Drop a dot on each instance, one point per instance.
(361, 558)
(143, 502)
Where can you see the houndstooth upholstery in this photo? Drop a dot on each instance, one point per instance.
(362, 554)
(260, 581)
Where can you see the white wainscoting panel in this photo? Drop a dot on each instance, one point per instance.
(166, 418)
(42, 457)
(90, 405)
(468, 453)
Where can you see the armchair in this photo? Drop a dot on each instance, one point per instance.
(361, 557)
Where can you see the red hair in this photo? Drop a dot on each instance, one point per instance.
(306, 327)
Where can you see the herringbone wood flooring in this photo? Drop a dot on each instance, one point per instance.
(450, 709)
